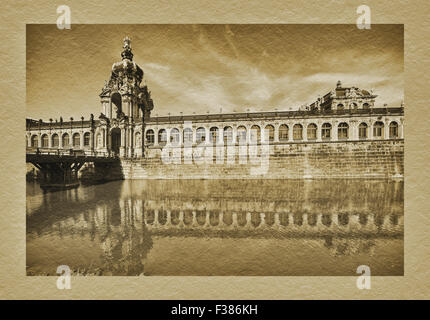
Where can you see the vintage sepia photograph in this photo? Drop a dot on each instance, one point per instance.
(214, 150)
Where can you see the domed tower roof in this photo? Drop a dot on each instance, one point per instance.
(127, 65)
(125, 83)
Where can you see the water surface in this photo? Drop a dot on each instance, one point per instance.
(217, 227)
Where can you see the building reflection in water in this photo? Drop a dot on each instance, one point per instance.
(125, 218)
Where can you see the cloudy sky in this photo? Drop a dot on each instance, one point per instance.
(211, 68)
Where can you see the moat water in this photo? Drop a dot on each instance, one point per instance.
(217, 227)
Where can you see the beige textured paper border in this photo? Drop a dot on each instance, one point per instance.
(13, 282)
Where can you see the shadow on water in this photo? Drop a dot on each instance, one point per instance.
(218, 227)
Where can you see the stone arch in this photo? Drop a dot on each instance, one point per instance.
(150, 136)
(87, 139)
(228, 135)
(162, 136)
(214, 134)
(363, 130)
(115, 138)
(76, 140)
(99, 139)
(65, 140)
(45, 140)
(55, 140)
(393, 130)
(326, 131)
(175, 136)
(283, 132)
(200, 135)
(343, 131)
(311, 131)
(241, 134)
(187, 136)
(116, 101)
(255, 133)
(34, 141)
(378, 129)
(298, 132)
(269, 133)
(137, 140)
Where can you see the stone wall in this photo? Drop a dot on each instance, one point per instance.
(349, 159)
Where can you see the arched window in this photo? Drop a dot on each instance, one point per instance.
(353, 106)
(188, 135)
(241, 134)
(34, 142)
(326, 131)
(174, 136)
(55, 140)
(312, 131)
(255, 134)
(378, 130)
(213, 136)
(87, 137)
(116, 105)
(298, 132)
(269, 133)
(366, 106)
(150, 137)
(228, 135)
(200, 134)
(45, 141)
(162, 137)
(340, 106)
(76, 140)
(342, 131)
(137, 140)
(283, 132)
(66, 140)
(394, 130)
(362, 131)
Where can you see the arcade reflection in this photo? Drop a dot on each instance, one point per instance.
(217, 227)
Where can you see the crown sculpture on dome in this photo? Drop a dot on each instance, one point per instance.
(126, 53)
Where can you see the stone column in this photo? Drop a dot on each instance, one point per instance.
(290, 132)
(352, 133)
(81, 140)
(123, 142)
(305, 131)
(130, 142)
(386, 130)
(234, 134)
(60, 140)
(334, 131)
(319, 130)
(401, 128)
(276, 133)
(155, 136)
(92, 140)
(49, 140)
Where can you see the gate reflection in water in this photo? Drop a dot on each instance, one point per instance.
(218, 227)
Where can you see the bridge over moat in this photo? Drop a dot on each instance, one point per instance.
(59, 168)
